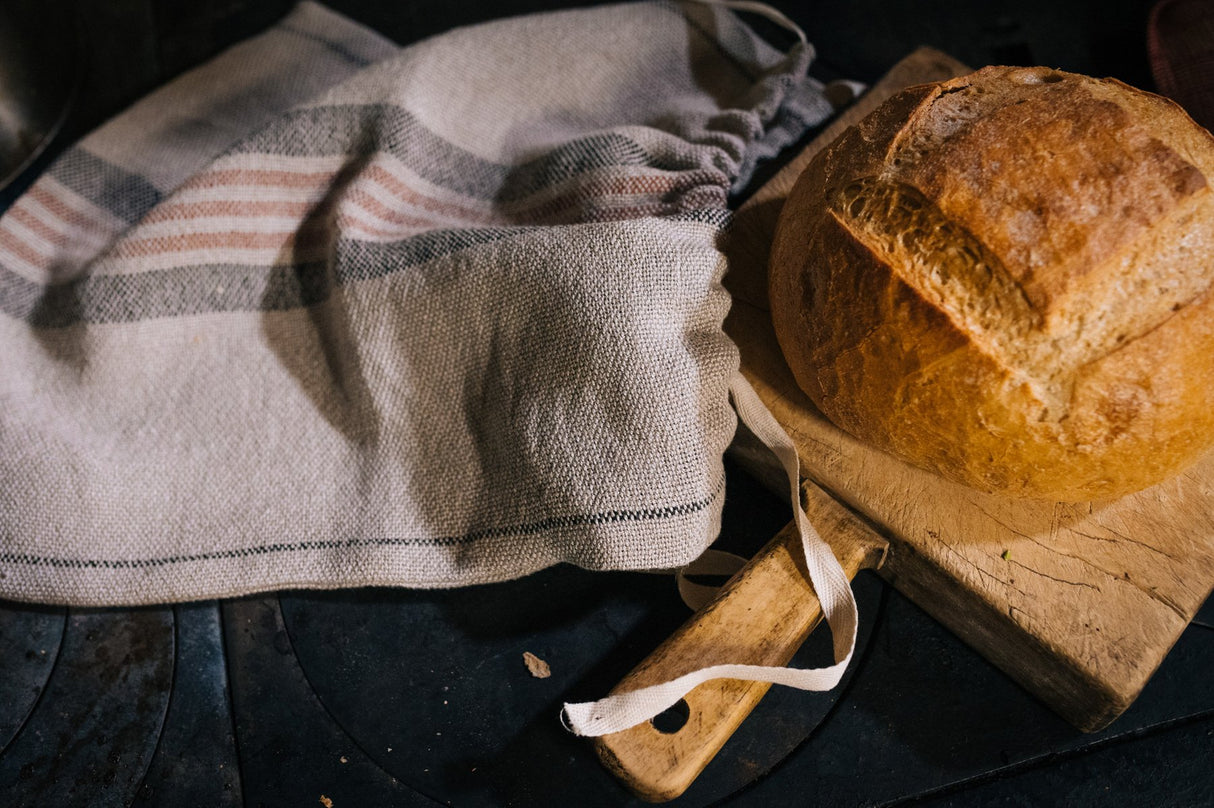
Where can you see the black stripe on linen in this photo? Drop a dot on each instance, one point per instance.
(364, 129)
(123, 193)
(219, 287)
(211, 288)
(544, 525)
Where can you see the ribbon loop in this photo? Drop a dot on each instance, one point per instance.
(624, 710)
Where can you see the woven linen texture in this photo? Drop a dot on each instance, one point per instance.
(329, 313)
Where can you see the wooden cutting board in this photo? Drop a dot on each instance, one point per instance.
(1078, 603)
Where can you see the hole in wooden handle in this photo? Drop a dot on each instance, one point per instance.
(672, 719)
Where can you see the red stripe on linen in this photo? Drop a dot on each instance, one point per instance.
(229, 240)
(605, 197)
(65, 212)
(267, 177)
(213, 208)
(56, 238)
(22, 248)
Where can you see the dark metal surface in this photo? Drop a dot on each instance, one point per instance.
(30, 638)
(99, 713)
(380, 697)
(38, 78)
(377, 697)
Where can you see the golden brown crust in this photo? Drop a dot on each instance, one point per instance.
(1006, 278)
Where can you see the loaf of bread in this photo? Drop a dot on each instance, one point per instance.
(1006, 279)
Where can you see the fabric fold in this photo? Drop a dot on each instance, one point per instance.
(621, 711)
(363, 315)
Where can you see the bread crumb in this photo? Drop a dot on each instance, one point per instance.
(343, 759)
(325, 801)
(536, 666)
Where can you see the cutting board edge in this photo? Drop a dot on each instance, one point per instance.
(1082, 699)
(1050, 673)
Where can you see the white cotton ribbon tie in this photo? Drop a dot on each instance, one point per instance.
(624, 710)
(715, 563)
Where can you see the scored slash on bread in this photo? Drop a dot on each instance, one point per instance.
(1005, 278)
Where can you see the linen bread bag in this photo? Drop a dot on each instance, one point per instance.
(326, 313)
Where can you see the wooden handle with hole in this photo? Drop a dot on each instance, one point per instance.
(760, 617)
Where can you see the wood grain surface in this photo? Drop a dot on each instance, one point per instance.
(1079, 603)
(760, 617)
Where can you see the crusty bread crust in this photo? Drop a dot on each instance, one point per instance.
(1008, 278)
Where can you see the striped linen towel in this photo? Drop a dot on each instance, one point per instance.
(327, 313)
